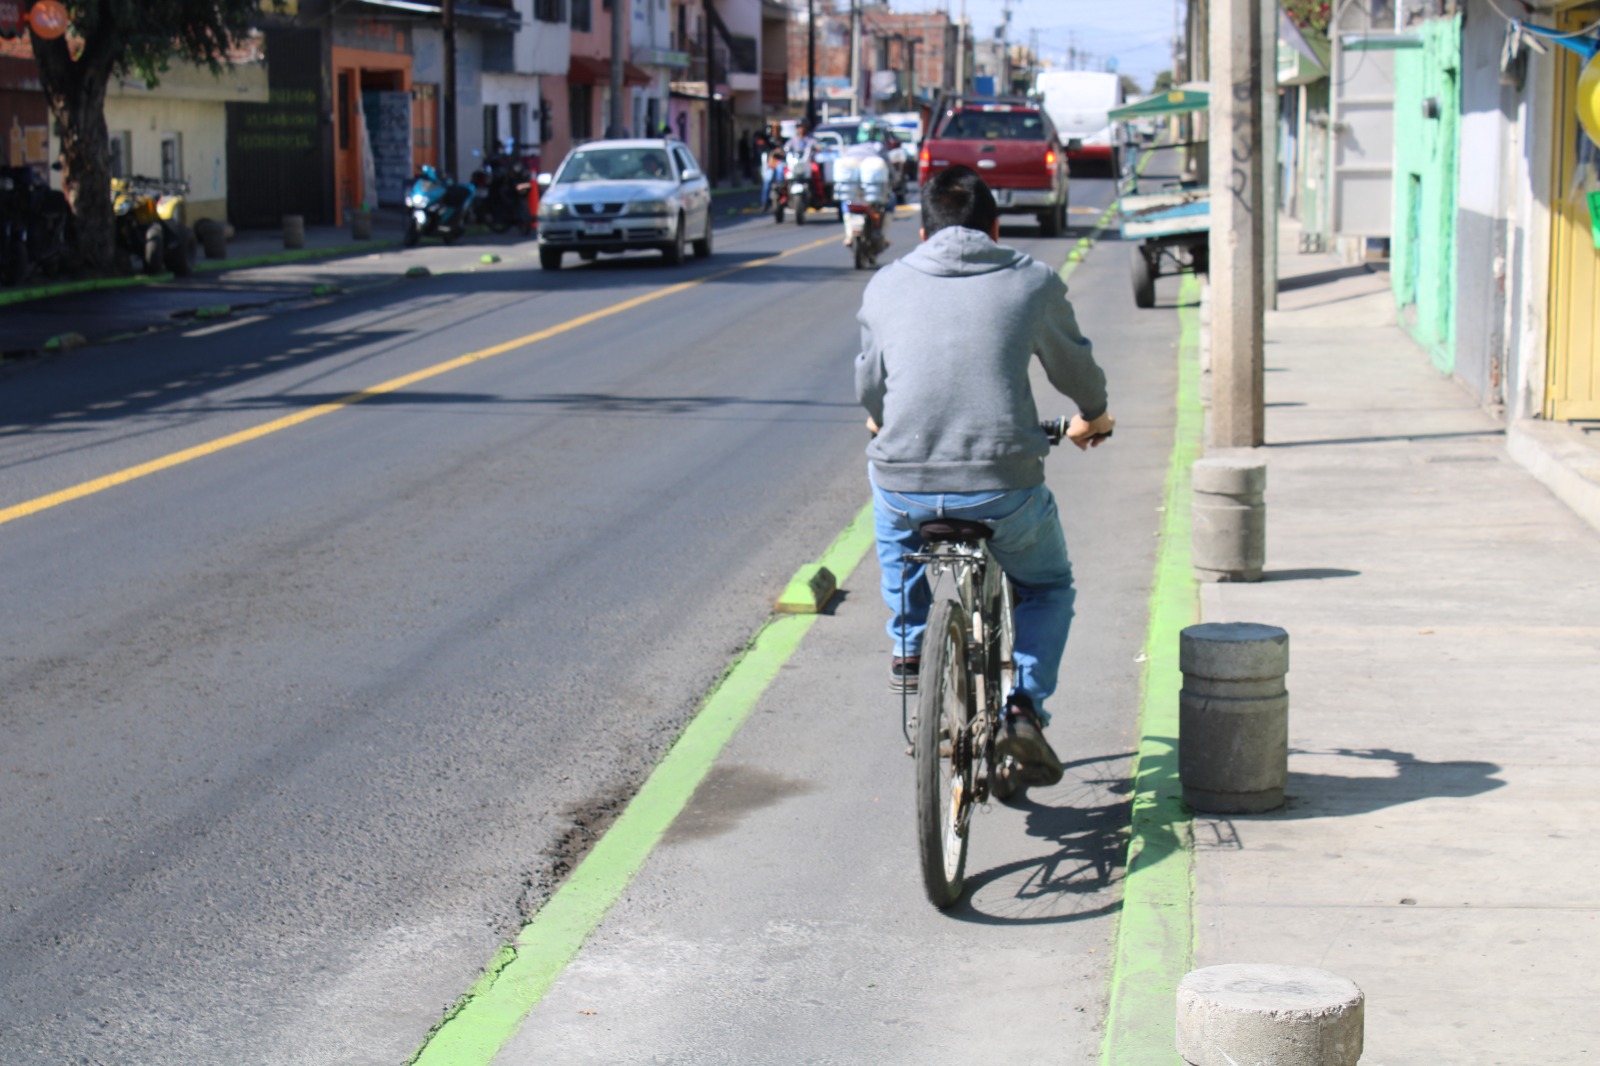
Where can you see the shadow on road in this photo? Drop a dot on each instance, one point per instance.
(1087, 832)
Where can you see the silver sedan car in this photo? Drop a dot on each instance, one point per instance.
(614, 196)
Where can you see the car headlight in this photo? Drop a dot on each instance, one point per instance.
(647, 207)
(549, 210)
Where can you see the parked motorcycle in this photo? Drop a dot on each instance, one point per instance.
(37, 228)
(501, 193)
(150, 226)
(861, 180)
(439, 205)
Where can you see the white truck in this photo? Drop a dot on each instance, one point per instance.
(1079, 102)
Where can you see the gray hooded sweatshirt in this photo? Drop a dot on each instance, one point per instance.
(948, 333)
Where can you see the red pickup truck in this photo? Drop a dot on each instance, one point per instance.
(1013, 146)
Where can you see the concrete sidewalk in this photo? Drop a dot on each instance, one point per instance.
(1443, 610)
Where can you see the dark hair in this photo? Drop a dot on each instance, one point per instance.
(958, 197)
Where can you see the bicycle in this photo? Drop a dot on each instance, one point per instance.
(967, 672)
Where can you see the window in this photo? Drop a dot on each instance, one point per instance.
(582, 19)
(122, 154)
(517, 132)
(491, 128)
(550, 10)
(580, 101)
(172, 157)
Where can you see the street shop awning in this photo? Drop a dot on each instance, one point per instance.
(589, 70)
(1179, 101)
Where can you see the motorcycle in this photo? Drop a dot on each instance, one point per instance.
(438, 205)
(37, 228)
(865, 200)
(807, 185)
(149, 224)
(501, 194)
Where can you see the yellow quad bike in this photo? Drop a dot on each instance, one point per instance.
(149, 226)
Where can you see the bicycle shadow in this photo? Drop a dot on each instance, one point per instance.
(1071, 882)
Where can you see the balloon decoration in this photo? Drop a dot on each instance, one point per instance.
(48, 19)
(1586, 48)
(1588, 98)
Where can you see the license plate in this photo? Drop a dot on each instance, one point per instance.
(1002, 197)
(853, 224)
(597, 229)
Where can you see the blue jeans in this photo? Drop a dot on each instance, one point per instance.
(1028, 545)
(768, 176)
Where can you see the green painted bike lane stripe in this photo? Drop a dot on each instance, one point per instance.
(1155, 929)
(519, 976)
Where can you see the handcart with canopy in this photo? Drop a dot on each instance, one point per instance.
(1170, 223)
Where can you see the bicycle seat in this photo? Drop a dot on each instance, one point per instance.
(954, 529)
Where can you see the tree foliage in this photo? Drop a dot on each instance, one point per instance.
(1311, 15)
(108, 38)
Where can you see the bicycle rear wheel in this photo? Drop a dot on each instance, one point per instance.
(944, 781)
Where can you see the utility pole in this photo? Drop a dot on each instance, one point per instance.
(713, 109)
(1237, 418)
(1269, 154)
(811, 63)
(618, 25)
(961, 53)
(856, 96)
(447, 98)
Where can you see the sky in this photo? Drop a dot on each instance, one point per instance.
(1137, 33)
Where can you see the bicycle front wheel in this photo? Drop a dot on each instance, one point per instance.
(944, 754)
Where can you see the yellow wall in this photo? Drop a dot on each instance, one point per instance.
(188, 100)
(1573, 358)
(204, 130)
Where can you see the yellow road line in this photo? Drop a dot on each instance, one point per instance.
(178, 458)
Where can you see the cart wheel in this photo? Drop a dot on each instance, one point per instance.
(1144, 279)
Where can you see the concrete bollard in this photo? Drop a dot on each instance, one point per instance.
(1233, 717)
(1262, 1014)
(361, 225)
(1230, 519)
(294, 231)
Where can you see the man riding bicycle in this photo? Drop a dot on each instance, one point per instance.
(948, 334)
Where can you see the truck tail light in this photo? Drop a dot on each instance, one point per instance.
(1050, 159)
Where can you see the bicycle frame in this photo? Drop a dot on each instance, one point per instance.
(985, 598)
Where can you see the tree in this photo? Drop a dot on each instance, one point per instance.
(1163, 82)
(110, 38)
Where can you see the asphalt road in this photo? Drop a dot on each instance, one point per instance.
(299, 728)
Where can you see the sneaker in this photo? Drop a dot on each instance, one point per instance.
(1022, 738)
(903, 672)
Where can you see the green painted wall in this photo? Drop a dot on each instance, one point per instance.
(1422, 250)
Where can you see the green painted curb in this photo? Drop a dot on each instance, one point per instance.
(488, 257)
(63, 341)
(1155, 931)
(210, 266)
(217, 311)
(61, 288)
(418, 272)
